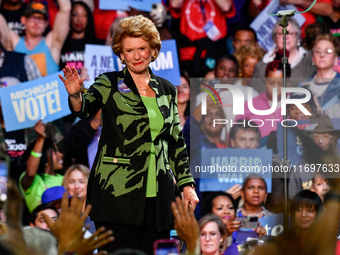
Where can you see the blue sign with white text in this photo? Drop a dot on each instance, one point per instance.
(26, 103)
(223, 168)
(273, 224)
(141, 5)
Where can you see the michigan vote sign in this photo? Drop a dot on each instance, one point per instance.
(26, 103)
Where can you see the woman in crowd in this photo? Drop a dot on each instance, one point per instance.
(183, 98)
(42, 158)
(304, 209)
(223, 205)
(73, 52)
(247, 56)
(299, 59)
(254, 194)
(130, 185)
(81, 33)
(273, 83)
(213, 235)
(320, 185)
(226, 67)
(325, 85)
(75, 180)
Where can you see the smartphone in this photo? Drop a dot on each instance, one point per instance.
(248, 222)
(166, 247)
(4, 171)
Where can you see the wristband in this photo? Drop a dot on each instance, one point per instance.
(36, 154)
(332, 195)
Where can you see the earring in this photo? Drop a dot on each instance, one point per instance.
(153, 57)
(313, 64)
(221, 246)
(123, 61)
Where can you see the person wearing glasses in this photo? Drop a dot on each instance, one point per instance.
(213, 235)
(45, 50)
(322, 133)
(299, 59)
(325, 84)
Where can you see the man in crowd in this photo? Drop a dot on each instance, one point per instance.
(37, 219)
(321, 132)
(244, 36)
(244, 136)
(44, 50)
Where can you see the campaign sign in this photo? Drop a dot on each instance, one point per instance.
(142, 5)
(273, 224)
(26, 103)
(294, 144)
(223, 168)
(264, 23)
(100, 59)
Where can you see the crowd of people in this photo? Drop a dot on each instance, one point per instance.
(153, 135)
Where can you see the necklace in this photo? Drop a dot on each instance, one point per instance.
(261, 213)
(143, 89)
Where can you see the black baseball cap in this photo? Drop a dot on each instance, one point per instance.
(35, 7)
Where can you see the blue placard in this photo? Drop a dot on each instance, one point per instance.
(142, 5)
(273, 224)
(294, 145)
(24, 104)
(231, 166)
(100, 59)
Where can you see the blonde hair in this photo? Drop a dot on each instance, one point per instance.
(83, 169)
(246, 51)
(136, 26)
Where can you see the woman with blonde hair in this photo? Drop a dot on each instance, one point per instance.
(75, 180)
(130, 185)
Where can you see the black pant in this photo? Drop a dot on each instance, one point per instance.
(142, 237)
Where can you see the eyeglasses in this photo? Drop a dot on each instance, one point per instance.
(321, 136)
(323, 52)
(211, 235)
(36, 19)
(289, 34)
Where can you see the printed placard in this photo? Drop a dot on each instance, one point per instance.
(24, 104)
(221, 169)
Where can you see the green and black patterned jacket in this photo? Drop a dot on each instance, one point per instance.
(117, 183)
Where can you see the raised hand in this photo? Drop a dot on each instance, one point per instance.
(73, 83)
(39, 128)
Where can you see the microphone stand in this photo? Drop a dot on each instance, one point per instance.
(285, 160)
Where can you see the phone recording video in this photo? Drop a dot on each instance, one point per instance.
(247, 222)
(166, 247)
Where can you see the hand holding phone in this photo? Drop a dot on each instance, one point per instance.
(233, 225)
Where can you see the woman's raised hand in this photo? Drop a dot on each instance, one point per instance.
(72, 81)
